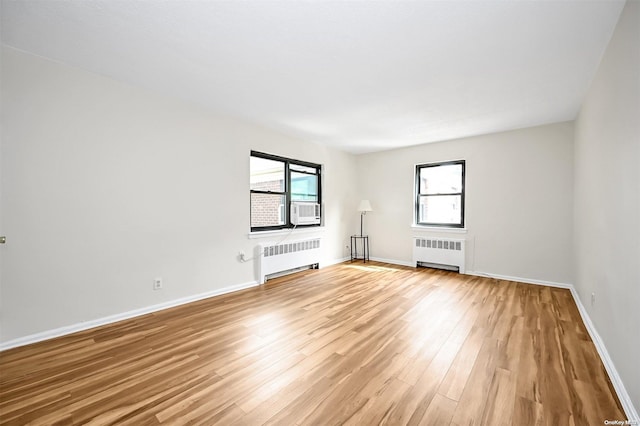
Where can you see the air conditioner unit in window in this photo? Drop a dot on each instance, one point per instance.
(305, 213)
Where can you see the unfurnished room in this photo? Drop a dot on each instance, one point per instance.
(320, 212)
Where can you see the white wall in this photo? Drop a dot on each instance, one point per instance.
(607, 199)
(519, 188)
(106, 186)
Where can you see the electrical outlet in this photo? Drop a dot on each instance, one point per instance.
(593, 298)
(157, 283)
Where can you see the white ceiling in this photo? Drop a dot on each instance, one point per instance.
(359, 75)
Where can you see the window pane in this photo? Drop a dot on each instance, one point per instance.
(444, 179)
(268, 210)
(267, 175)
(304, 187)
(445, 209)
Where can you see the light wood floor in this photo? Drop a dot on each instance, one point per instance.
(348, 344)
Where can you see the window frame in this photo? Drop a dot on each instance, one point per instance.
(287, 190)
(418, 194)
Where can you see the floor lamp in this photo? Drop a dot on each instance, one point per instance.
(363, 208)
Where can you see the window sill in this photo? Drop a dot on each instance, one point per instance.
(439, 229)
(278, 232)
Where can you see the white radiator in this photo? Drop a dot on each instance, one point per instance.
(439, 252)
(288, 255)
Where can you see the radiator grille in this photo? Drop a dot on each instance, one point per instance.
(280, 249)
(439, 244)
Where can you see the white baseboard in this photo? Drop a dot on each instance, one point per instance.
(618, 385)
(393, 261)
(520, 279)
(74, 328)
(374, 259)
(333, 262)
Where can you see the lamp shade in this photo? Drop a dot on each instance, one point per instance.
(365, 206)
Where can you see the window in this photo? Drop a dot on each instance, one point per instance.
(440, 194)
(274, 183)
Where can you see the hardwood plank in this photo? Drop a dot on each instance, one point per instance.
(349, 344)
(498, 410)
(279, 402)
(439, 412)
(458, 374)
(476, 391)
(527, 412)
